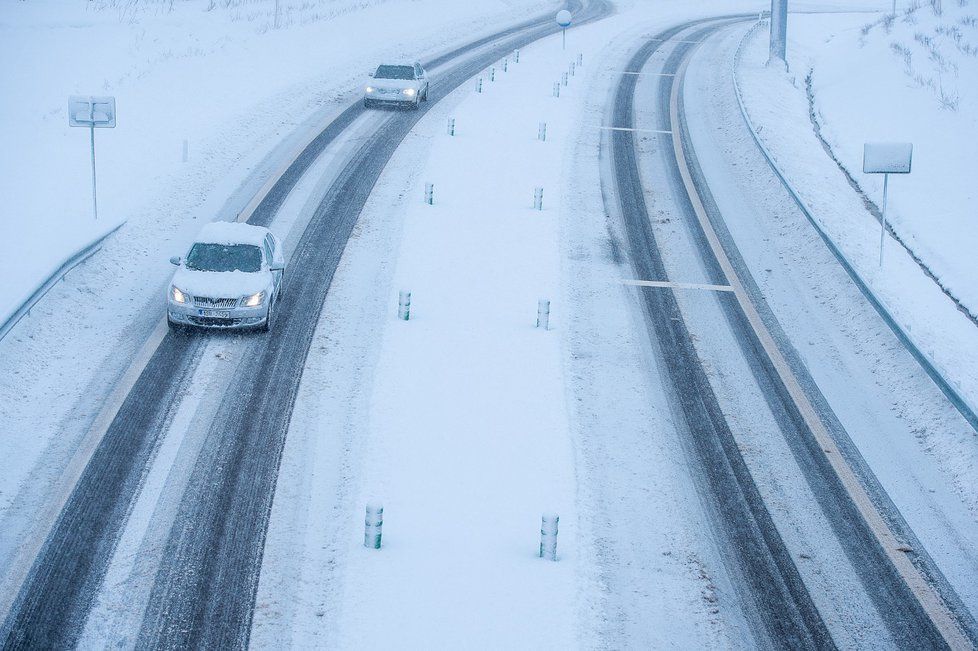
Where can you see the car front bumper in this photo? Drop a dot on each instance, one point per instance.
(390, 97)
(220, 318)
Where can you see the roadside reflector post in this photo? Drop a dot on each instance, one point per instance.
(478, 85)
(548, 536)
(563, 78)
(404, 305)
(580, 60)
(543, 321)
(451, 126)
(538, 198)
(556, 89)
(505, 65)
(429, 188)
(572, 68)
(492, 74)
(542, 131)
(372, 526)
(516, 56)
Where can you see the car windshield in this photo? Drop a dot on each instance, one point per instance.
(395, 72)
(224, 257)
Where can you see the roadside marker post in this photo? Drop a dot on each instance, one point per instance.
(538, 198)
(404, 305)
(542, 131)
(516, 56)
(563, 78)
(451, 126)
(492, 74)
(94, 113)
(505, 65)
(373, 526)
(556, 89)
(543, 314)
(572, 68)
(564, 20)
(429, 189)
(478, 85)
(886, 158)
(548, 536)
(580, 60)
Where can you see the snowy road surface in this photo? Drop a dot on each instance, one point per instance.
(717, 484)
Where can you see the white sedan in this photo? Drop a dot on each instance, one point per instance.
(230, 278)
(397, 84)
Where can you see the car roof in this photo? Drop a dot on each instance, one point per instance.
(232, 233)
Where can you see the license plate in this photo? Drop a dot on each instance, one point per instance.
(220, 314)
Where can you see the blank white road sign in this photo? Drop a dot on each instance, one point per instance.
(85, 111)
(887, 157)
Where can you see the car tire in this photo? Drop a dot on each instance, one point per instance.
(173, 325)
(267, 325)
(425, 98)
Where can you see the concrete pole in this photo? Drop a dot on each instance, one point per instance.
(404, 305)
(779, 32)
(548, 536)
(543, 314)
(373, 525)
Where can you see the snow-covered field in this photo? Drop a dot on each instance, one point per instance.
(864, 90)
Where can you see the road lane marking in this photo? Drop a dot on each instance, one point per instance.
(647, 74)
(930, 600)
(598, 126)
(672, 285)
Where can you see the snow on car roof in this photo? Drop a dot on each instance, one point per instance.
(232, 233)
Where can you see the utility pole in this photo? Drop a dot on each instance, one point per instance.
(779, 32)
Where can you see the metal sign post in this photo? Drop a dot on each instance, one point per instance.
(779, 31)
(564, 20)
(886, 158)
(92, 112)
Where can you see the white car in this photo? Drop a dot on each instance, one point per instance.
(397, 84)
(230, 278)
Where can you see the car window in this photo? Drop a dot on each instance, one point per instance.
(224, 257)
(268, 250)
(394, 72)
(418, 71)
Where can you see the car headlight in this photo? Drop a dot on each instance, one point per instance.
(254, 300)
(177, 295)
(409, 92)
(369, 89)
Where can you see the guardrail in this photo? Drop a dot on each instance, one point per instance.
(70, 263)
(925, 362)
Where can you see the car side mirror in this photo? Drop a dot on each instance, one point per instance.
(370, 74)
(175, 260)
(276, 267)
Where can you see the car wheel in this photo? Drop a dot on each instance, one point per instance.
(267, 325)
(173, 325)
(425, 99)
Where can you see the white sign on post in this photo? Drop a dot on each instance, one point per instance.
(564, 20)
(886, 158)
(94, 113)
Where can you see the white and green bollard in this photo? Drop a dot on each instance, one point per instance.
(429, 193)
(538, 198)
(542, 131)
(372, 526)
(543, 314)
(548, 536)
(404, 305)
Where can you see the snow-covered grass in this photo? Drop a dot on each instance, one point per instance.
(211, 74)
(862, 93)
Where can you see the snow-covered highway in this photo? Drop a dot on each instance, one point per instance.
(729, 432)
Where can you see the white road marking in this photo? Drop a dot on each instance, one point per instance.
(646, 74)
(671, 285)
(598, 126)
(930, 600)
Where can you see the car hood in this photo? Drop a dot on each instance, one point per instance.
(215, 284)
(398, 84)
